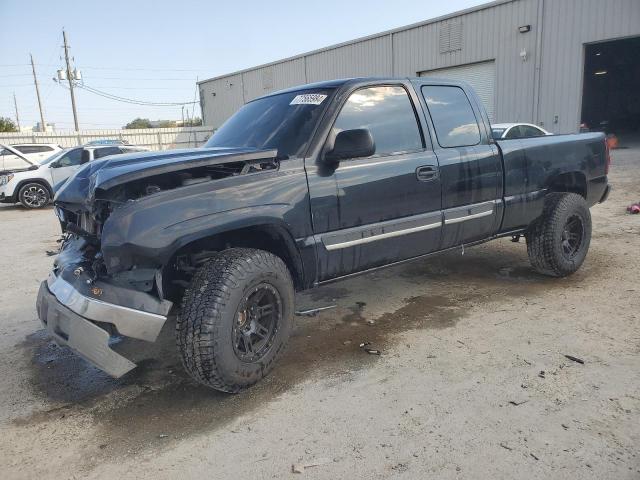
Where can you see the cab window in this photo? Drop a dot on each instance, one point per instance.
(452, 116)
(387, 112)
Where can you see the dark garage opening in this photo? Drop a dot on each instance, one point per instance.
(611, 91)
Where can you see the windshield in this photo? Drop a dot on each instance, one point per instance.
(284, 121)
(497, 132)
(53, 157)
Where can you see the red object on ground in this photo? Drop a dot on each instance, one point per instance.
(634, 208)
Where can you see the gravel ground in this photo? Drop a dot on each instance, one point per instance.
(472, 381)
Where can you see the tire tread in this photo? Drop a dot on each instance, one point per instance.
(542, 247)
(199, 323)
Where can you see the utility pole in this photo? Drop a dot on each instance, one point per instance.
(43, 125)
(15, 104)
(70, 78)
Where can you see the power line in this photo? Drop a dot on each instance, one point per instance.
(117, 87)
(146, 69)
(123, 69)
(15, 75)
(144, 78)
(133, 101)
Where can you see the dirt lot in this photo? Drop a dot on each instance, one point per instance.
(472, 381)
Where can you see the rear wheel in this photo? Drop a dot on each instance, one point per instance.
(558, 242)
(236, 318)
(34, 195)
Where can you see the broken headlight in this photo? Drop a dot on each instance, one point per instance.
(4, 179)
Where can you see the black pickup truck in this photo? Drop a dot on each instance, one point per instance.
(298, 188)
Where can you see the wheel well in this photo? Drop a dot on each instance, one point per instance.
(574, 182)
(271, 238)
(39, 181)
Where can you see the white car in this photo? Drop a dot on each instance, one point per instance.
(33, 183)
(505, 131)
(34, 152)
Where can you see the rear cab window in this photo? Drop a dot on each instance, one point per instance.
(452, 115)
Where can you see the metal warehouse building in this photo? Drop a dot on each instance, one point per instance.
(555, 63)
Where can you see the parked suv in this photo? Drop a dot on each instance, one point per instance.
(33, 183)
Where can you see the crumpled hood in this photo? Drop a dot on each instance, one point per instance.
(119, 169)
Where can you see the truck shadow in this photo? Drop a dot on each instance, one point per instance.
(158, 402)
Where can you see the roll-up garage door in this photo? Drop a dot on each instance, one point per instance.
(481, 76)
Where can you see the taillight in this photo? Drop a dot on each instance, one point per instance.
(607, 154)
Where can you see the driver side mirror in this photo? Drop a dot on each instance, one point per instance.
(356, 143)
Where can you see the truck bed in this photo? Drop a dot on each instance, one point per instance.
(531, 165)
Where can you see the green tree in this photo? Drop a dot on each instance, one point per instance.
(166, 124)
(139, 123)
(196, 122)
(7, 125)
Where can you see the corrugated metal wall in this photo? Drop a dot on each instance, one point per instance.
(362, 59)
(481, 76)
(545, 83)
(567, 26)
(274, 77)
(489, 34)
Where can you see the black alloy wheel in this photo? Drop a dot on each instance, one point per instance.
(257, 322)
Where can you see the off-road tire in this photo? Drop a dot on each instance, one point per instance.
(33, 189)
(545, 235)
(204, 328)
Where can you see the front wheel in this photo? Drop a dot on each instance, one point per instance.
(34, 195)
(558, 241)
(236, 318)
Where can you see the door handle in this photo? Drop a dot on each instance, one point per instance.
(427, 173)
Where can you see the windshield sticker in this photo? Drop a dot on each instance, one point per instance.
(308, 99)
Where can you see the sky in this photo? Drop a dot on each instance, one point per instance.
(156, 50)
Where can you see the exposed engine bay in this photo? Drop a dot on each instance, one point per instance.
(169, 181)
(82, 224)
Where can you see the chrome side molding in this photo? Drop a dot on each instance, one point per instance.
(361, 235)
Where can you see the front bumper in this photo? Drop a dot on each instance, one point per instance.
(70, 317)
(4, 198)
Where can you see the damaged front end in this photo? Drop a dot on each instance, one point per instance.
(83, 307)
(88, 299)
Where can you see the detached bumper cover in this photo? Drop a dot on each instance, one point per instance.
(67, 315)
